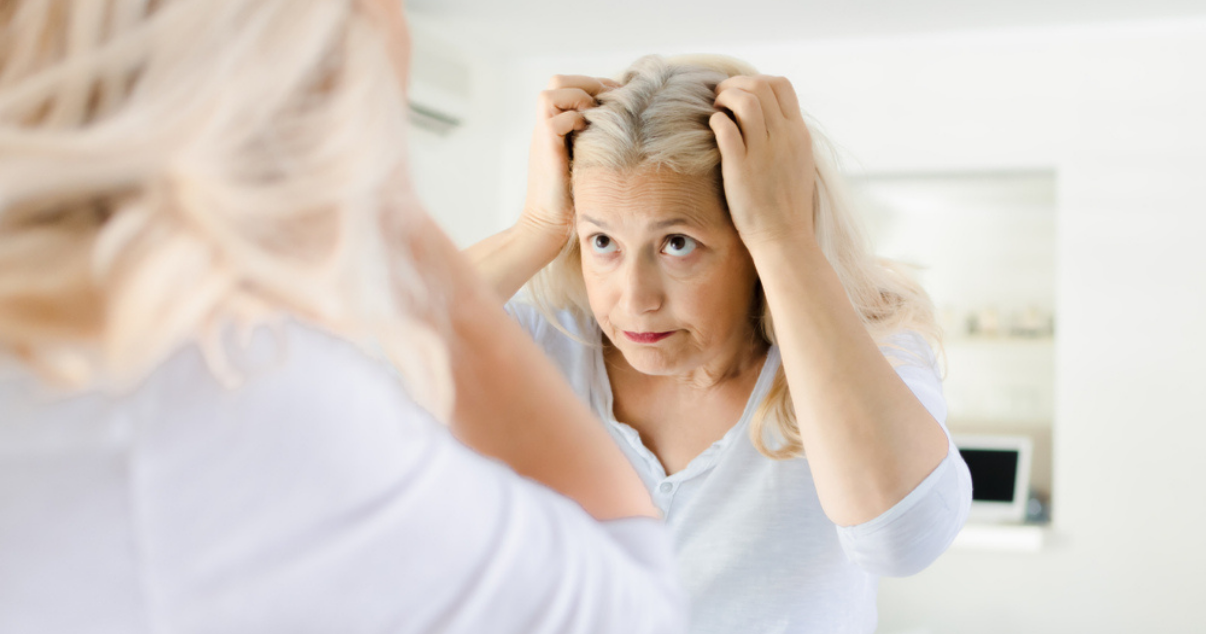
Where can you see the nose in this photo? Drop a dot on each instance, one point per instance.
(642, 290)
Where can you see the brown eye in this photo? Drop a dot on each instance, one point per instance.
(679, 246)
(602, 244)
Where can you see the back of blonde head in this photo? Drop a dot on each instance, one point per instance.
(658, 119)
(170, 168)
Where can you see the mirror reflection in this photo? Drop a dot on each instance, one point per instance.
(1003, 159)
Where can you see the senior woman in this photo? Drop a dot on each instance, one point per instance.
(203, 210)
(796, 460)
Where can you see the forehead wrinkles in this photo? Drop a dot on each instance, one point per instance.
(648, 195)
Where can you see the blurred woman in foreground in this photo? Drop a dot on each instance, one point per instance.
(203, 208)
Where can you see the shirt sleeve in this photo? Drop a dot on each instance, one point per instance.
(908, 537)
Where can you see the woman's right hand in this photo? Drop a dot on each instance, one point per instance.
(549, 208)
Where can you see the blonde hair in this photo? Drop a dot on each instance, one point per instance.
(170, 169)
(659, 119)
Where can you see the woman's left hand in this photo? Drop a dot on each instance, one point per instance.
(766, 159)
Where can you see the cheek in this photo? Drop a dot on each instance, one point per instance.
(600, 289)
(697, 306)
(718, 305)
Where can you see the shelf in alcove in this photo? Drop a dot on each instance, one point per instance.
(1002, 537)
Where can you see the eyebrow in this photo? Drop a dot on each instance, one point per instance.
(657, 225)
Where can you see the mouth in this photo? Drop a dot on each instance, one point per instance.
(647, 337)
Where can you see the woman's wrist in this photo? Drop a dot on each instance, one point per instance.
(544, 235)
(783, 241)
(508, 259)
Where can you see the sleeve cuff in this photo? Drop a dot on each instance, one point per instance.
(909, 536)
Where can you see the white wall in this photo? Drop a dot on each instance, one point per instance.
(1119, 113)
(456, 175)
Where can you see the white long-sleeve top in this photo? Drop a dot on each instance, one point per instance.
(755, 550)
(314, 498)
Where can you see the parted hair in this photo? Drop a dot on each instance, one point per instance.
(658, 119)
(173, 169)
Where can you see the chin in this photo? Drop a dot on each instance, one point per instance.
(654, 361)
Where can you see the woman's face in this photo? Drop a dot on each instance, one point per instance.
(669, 280)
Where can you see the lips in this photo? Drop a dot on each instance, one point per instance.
(647, 337)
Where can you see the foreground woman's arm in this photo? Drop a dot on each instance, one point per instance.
(869, 441)
(507, 260)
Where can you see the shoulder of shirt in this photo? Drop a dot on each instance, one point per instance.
(308, 382)
(286, 347)
(287, 365)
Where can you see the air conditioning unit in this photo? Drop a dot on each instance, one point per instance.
(441, 83)
(436, 119)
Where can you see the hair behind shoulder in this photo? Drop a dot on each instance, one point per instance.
(168, 169)
(659, 118)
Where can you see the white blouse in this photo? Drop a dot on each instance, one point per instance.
(755, 550)
(316, 497)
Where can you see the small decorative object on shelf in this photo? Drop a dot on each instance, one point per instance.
(990, 322)
(1032, 322)
(1038, 510)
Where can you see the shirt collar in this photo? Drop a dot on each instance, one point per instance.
(603, 402)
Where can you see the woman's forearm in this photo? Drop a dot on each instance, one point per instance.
(869, 441)
(508, 259)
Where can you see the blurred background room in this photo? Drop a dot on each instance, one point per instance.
(1042, 163)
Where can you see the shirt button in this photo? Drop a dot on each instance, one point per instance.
(666, 487)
